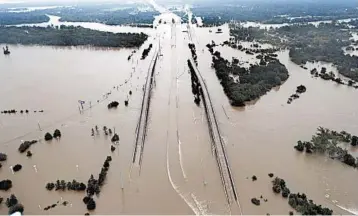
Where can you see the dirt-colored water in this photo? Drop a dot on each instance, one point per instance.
(179, 174)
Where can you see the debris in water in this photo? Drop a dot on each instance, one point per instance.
(270, 175)
(254, 178)
(113, 148)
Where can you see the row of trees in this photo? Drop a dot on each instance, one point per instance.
(298, 201)
(69, 36)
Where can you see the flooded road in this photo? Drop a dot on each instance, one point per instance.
(179, 174)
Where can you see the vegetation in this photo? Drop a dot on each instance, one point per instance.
(193, 52)
(195, 84)
(3, 157)
(5, 184)
(21, 18)
(115, 138)
(254, 81)
(62, 185)
(94, 185)
(13, 204)
(298, 201)
(57, 134)
(329, 143)
(113, 104)
(300, 90)
(68, 36)
(308, 43)
(271, 12)
(26, 145)
(108, 16)
(146, 51)
(255, 201)
(48, 137)
(17, 167)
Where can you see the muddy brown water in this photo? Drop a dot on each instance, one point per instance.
(179, 175)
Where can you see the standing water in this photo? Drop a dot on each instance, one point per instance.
(179, 174)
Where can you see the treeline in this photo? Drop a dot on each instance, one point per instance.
(118, 17)
(21, 18)
(68, 36)
(308, 43)
(260, 11)
(253, 82)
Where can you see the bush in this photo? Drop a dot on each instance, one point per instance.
(17, 167)
(299, 147)
(5, 184)
(255, 201)
(48, 137)
(29, 154)
(86, 199)
(91, 205)
(11, 201)
(3, 157)
(26, 145)
(285, 192)
(57, 133)
(115, 138)
(113, 104)
(50, 186)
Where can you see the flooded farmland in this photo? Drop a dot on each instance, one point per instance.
(179, 174)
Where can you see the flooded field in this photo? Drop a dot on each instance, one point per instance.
(179, 174)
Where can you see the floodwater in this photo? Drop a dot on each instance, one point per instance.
(179, 174)
(55, 21)
(268, 26)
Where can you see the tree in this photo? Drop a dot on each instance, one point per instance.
(57, 134)
(48, 137)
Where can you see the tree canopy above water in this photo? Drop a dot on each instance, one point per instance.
(68, 36)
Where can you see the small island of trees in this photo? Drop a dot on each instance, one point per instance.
(253, 82)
